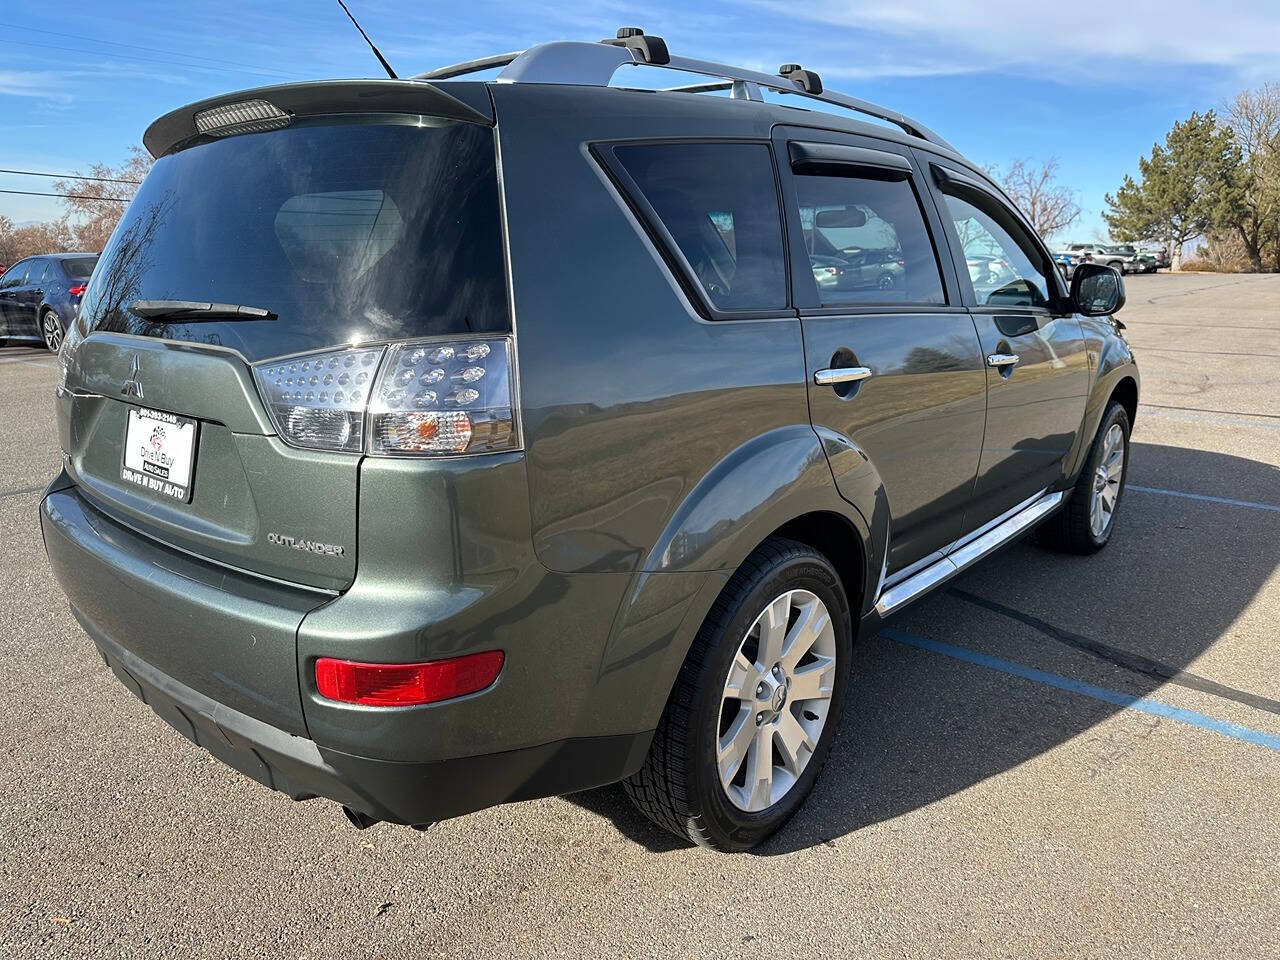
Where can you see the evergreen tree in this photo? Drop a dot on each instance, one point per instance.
(1191, 183)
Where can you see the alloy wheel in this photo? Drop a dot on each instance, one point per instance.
(776, 700)
(52, 330)
(1106, 481)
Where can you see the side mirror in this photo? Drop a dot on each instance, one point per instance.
(1096, 290)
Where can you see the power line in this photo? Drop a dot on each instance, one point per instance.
(173, 63)
(67, 176)
(137, 46)
(63, 196)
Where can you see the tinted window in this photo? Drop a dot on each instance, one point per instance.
(16, 275)
(719, 203)
(1004, 264)
(78, 268)
(360, 229)
(49, 272)
(867, 241)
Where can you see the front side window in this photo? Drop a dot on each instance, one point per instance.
(1004, 264)
(719, 204)
(15, 275)
(867, 242)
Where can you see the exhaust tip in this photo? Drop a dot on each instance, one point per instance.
(361, 821)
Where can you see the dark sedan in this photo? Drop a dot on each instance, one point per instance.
(39, 296)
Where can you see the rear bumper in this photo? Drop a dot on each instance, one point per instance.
(396, 791)
(214, 655)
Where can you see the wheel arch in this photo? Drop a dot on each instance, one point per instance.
(832, 535)
(1125, 392)
(1116, 378)
(779, 484)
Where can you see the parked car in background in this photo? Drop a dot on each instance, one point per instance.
(40, 296)
(1067, 262)
(1099, 253)
(636, 544)
(1157, 252)
(1144, 263)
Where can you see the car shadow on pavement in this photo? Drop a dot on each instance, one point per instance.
(919, 726)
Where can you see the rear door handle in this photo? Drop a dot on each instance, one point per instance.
(829, 376)
(1002, 359)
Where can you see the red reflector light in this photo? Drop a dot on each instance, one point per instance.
(78, 290)
(406, 684)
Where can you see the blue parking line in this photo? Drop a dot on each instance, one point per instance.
(1141, 704)
(1204, 496)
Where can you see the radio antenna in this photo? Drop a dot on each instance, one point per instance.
(376, 52)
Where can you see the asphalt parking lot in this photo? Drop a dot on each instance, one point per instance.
(1053, 756)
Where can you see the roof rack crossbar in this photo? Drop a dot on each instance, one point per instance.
(594, 64)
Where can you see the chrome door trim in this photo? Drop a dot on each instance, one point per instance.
(829, 376)
(1002, 359)
(979, 545)
(898, 576)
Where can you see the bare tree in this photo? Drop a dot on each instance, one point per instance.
(1035, 190)
(96, 203)
(17, 242)
(1254, 117)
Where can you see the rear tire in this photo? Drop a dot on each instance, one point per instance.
(52, 330)
(1085, 523)
(727, 771)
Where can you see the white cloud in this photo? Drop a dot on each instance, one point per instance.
(942, 36)
(37, 85)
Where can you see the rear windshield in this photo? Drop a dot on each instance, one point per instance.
(79, 268)
(346, 229)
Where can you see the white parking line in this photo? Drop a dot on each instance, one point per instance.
(1203, 496)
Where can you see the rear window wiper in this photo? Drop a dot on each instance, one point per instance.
(165, 310)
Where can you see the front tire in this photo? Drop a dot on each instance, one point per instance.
(52, 330)
(756, 704)
(1085, 523)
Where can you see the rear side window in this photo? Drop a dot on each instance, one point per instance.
(79, 268)
(345, 228)
(717, 203)
(867, 241)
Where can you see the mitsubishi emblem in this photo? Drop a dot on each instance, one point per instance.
(133, 386)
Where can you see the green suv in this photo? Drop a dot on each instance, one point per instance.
(431, 444)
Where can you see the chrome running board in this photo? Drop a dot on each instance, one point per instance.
(900, 594)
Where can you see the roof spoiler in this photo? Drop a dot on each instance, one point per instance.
(264, 108)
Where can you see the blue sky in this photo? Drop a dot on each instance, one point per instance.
(1091, 84)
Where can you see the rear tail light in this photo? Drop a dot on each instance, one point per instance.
(77, 290)
(406, 684)
(416, 398)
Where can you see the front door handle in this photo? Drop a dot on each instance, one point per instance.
(830, 376)
(1002, 359)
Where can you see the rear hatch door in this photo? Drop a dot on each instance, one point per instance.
(329, 228)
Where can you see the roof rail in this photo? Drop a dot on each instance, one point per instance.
(469, 66)
(594, 64)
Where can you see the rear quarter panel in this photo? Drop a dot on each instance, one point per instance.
(660, 447)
